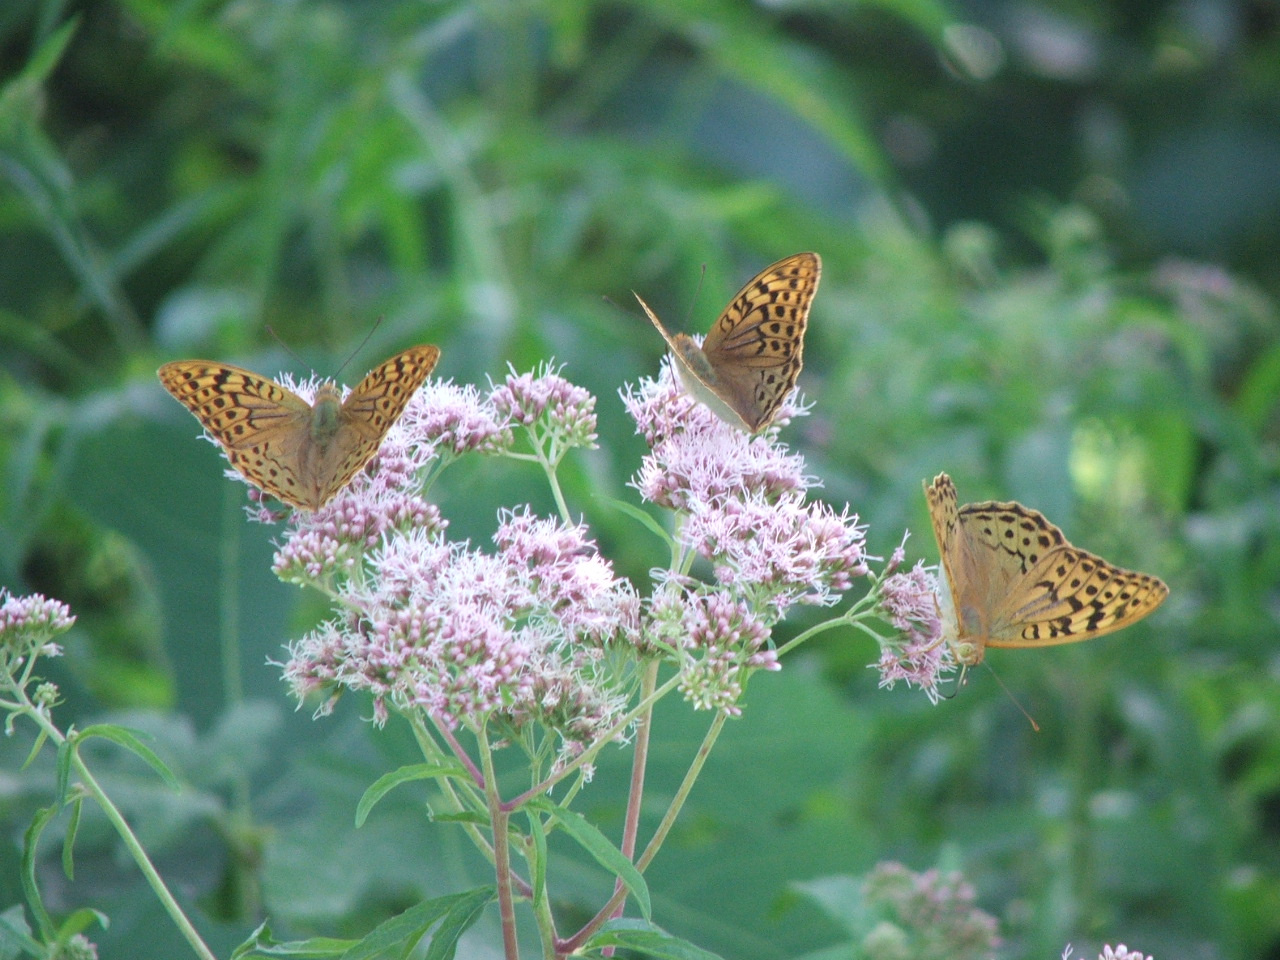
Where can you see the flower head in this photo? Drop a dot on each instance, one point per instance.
(453, 420)
(548, 401)
(916, 655)
(783, 551)
(76, 947)
(716, 640)
(744, 499)
(28, 625)
(743, 507)
(935, 912)
(1120, 952)
(467, 636)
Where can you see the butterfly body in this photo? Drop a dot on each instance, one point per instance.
(1014, 580)
(751, 358)
(302, 453)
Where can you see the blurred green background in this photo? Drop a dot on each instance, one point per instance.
(1049, 231)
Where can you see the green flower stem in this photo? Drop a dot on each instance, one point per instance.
(432, 752)
(660, 835)
(852, 617)
(549, 465)
(131, 843)
(639, 762)
(498, 818)
(546, 928)
(686, 786)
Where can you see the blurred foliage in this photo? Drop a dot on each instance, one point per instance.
(1049, 233)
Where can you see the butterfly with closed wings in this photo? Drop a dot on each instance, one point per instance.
(749, 362)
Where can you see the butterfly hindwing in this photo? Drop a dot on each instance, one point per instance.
(1072, 594)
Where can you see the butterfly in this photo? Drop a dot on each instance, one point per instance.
(1014, 580)
(301, 453)
(750, 360)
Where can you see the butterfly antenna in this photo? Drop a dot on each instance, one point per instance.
(351, 356)
(702, 275)
(288, 349)
(1009, 693)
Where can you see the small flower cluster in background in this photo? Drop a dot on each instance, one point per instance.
(27, 628)
(925, 916)
(1120, 952)
(29, 624)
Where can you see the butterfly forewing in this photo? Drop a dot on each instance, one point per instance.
(379, 399)
(299, 453)
(369, 412)
(234, 404)
(753, 355)
(1015, 581)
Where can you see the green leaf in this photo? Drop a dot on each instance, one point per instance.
(30, 841)
(1259, 389)
(643, 517)
(387, 782)
(66, 751)
(647, 939)
(603, 852)
(36, 747)
(69, 841)
(539, 864)
(263, 943)
(397, 936)
(44, 60)
(465, 912)
(130, 741)
(79, 920)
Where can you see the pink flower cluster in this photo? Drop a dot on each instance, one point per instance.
(934, 912)
(442, 422)
(466, 635)
(742, 506)
(452, 420)
(909, 602)
(568, 409)
(463, 635)
(716, 639)
(28, 625)
(743, 501)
